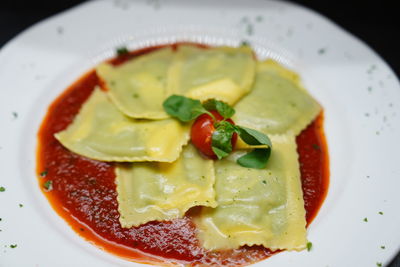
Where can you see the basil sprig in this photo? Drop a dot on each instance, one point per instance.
(183, 108)
(221, 142)
(187, 109)
(223, 109)
(256, 159)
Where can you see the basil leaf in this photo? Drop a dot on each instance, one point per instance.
(220, 153)
(253, 137)
(258, 157)
(221, 142)
(183, 108)
(223, 109)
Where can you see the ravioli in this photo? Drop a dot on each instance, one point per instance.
(223, 73)
(257, 206)
(151, 191)
(138, 87)
(100, 131)
(277, 103)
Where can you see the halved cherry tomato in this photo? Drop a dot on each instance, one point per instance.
(202, 131)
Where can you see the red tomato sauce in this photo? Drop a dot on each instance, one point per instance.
(84, 192)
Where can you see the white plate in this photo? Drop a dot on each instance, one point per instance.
(360, 95)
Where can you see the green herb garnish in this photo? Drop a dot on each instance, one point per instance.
(223, 109)
(44, 173)
(183, 108)
(48, 185)
(259, 18)
(187, 109)
(244, 43)
(257, 158)
(381, 213)
(309, 246)
(2, 189)
(316, 147)
(221, 139)
(13, 246)
(379, 264)
(321, 51)
(365, 219)
(249, 29)
(121, 51)
(20, 205)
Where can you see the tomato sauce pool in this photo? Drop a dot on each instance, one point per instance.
(83, 192)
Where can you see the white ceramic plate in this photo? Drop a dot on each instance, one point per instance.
(360, 95)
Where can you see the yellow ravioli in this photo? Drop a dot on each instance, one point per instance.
(138, 87)
(277, 104)
(100, 131)
(223, 73)
(257, 206)
(162, 191)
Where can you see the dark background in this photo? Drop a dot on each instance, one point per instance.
(375, 22)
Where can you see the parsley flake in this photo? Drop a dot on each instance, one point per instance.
(15, 114)
(48, 185)
(13, 246)
(20, 205)
(249, 29)
(379, 264)
(321, 51)
(381, 213)
(2, 189)
(383, 247)
(309, 246)
(244, 43)
(60, 30)
(365, 219)
(121, 51)
(44, 173)
(316, 147)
